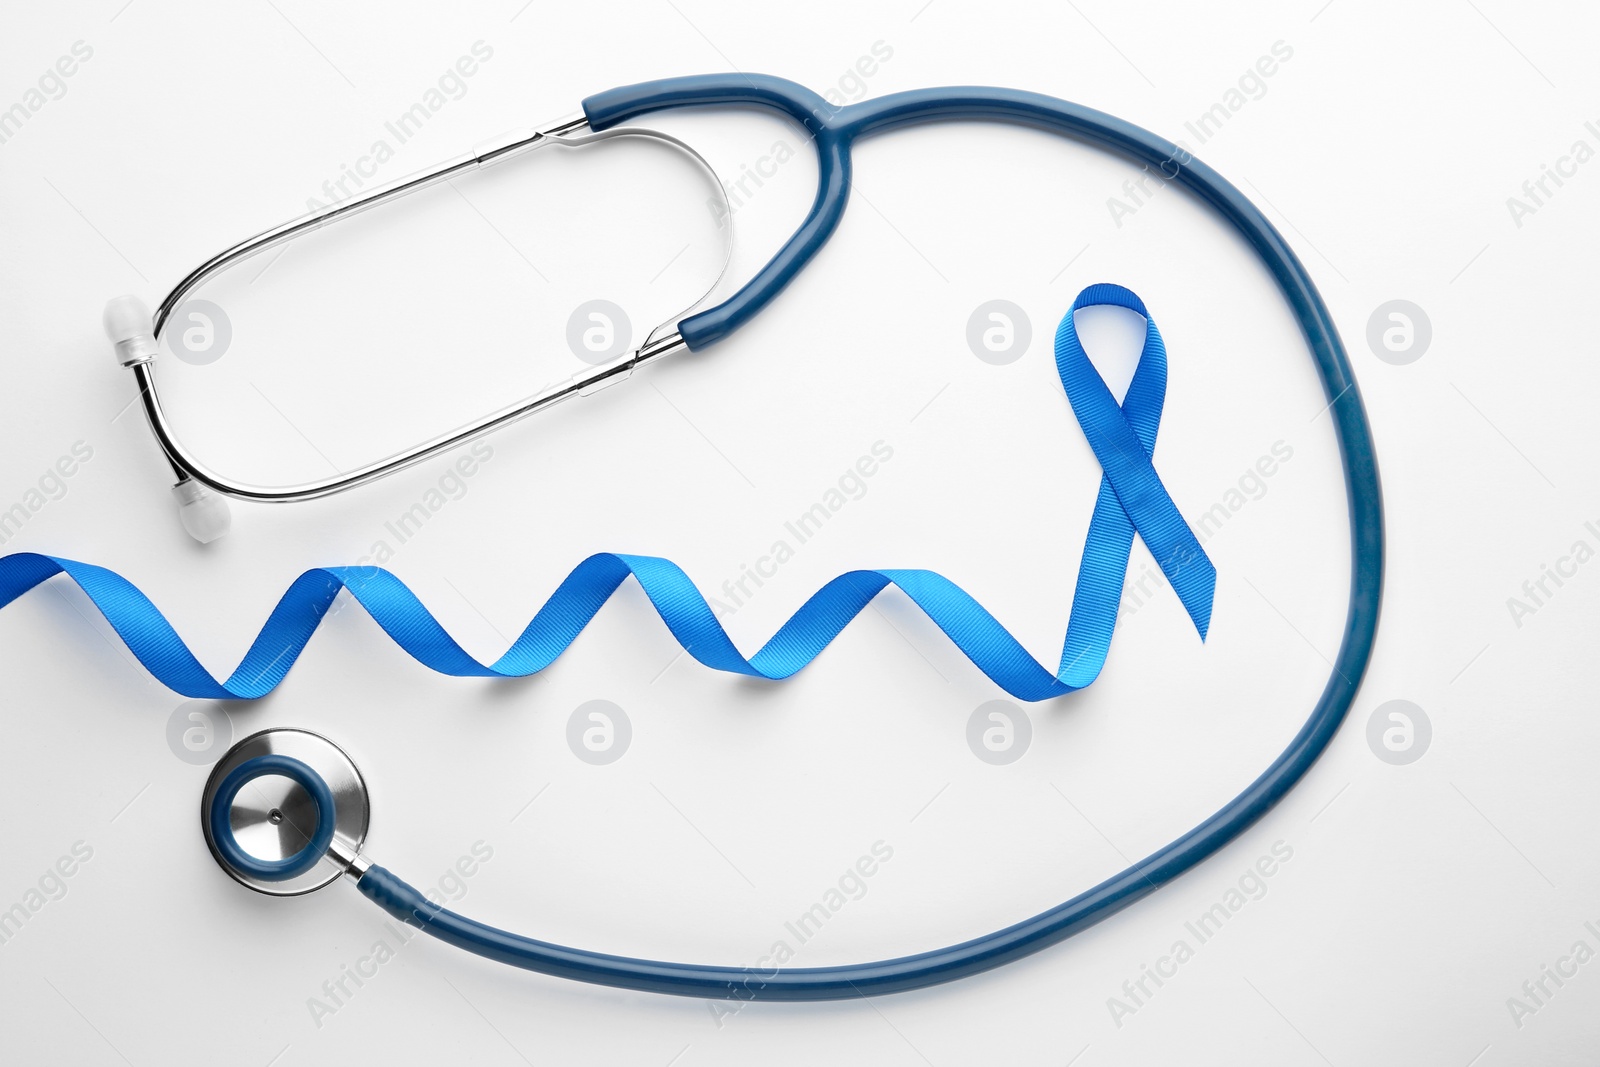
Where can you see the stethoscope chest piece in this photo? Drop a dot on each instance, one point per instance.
(285, 812)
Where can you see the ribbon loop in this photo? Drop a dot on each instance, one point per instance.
(1132, 497)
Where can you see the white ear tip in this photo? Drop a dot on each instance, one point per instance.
(204, 514)
(127, 318)
(132, 332)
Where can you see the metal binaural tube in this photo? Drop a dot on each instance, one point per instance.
(502, 148)
(579, 384)
(139, 354)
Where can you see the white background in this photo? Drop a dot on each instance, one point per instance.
(1418, 898)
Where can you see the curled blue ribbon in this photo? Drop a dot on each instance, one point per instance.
(1131, 499)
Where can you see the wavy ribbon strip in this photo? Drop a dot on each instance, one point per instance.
(1131, 498)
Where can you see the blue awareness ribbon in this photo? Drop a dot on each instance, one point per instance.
(1131, 499)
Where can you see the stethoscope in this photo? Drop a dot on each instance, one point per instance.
(330, 807)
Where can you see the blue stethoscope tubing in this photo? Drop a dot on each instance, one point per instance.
(834, 130)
